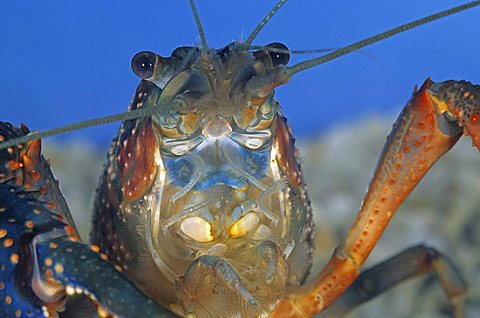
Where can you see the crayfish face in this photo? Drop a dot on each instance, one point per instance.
(203, 203)
(219, 223)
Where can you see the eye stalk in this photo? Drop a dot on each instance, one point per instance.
(144, 63)
(279, 53)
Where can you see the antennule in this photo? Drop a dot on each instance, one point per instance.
(203, 39)
(262, 23)
(376, 38)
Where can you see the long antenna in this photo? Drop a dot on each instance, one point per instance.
(142, 112)
(203, 39)
(262, 23)
(373, 39)
(289, 71)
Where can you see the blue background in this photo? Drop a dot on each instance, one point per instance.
(64, 61)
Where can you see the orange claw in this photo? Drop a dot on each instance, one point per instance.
(420, 136)
(461, 100)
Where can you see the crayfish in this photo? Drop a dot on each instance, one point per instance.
(202, 209)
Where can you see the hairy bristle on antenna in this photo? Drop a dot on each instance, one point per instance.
(203, 39)
(290, 71)
(264, 21)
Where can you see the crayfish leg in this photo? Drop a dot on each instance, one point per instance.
(421, 135)
(412, 262)
(42, 260)
(82, 270)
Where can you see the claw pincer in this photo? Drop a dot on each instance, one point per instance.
(41, 259)
(460, 100)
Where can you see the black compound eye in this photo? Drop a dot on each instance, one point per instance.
(281, 54)
(143, 64)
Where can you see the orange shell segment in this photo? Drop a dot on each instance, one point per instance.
(136, 161)
(286, 152)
